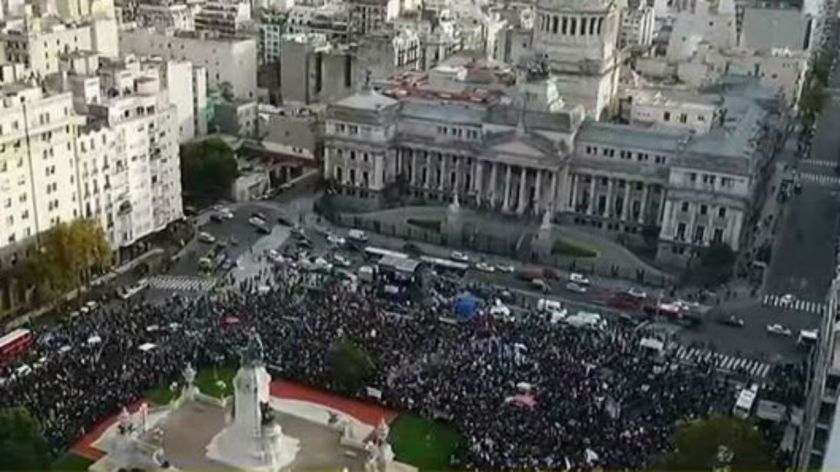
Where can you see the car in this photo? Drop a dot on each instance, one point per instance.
(225, 213)
(304, 243)
(263, 229)
(216, 218)
(341, 261)
(628, 320)
(357, 235)
(459, 256)
(575, 287)
(260, 215)
(336, 239)
(506, 268)
(284, 221)
(788, 298)
(540, 284)
(637, 293)
(206, 237)
(731, 320)
(778, 329)
(578, 278)
(485, 267)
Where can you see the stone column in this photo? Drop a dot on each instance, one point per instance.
(667, 221)
(494, 183)
(537, 192)
(591, 208)
(644, 202)
(523, 181)
(457, 183)
(506, 203)
(415, 168)
(551, 201)
(479, 179)
(442, 173)
(661, 203)
(609, 201)
(573, 189)
(625, 204)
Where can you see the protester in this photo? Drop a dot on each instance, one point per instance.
(527, 393)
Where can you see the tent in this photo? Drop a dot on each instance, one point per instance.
(522, 401)
(466, 306)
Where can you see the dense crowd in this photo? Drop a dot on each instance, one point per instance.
(525, 394)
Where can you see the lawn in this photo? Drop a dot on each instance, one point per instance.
(207, 381)
(566, 248)
(70, 461)
(423, 443)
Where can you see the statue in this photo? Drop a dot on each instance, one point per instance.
(455, 206)
(253, 354)
(546, 220)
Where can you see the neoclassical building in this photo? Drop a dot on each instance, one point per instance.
(690, 189)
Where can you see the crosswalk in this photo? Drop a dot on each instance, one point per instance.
(184, 283)
(819, 162)
(821, 179)
(724, 362)
(781, 301)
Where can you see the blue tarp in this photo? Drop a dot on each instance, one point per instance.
(466, 306)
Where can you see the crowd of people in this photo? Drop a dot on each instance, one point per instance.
(527, 393)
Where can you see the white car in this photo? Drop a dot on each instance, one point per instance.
(506, 268)
(788, 298)
(583, 319)
(337, 240)
(578, 278)
(778, 329)
(577, 288)
(540, 284)
(341, 261)
(485, 267)
(637, 293)
(206, 237)
(225, 213)
(459, 256)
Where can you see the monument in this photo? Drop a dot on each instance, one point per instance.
(253, 439)
(545, 236)
(454, 222)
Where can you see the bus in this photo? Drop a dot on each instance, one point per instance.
(14, 343)
(378, 253)
(446, 264)
(745, 402)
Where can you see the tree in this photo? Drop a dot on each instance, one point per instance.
(22, 444)
(68, 256)
(208, 168)
(350, 364)
(717, 441)
(715, 265)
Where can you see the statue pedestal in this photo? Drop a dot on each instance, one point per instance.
(270, 453)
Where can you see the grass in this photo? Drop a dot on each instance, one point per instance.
(207, 381)
(566, 248)
(425, 444)
(71, 461)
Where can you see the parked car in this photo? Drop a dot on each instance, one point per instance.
(506, 268)
(341, 261)
(540, 284)
(216, 218)
(336, 239)
(778, 329)
(575, 287)
(578, 278)
(637, 293)
(206, 237)
(285, 221)
(225, 213)
(459, 256)
(260, 215)
(485, 267)
(731, 320)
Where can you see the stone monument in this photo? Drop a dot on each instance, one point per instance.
(380, 455)
(253, 440)
(545, 236)
(454, 222)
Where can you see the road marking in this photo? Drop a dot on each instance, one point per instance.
(820, 178)
(796, 305)
(724, 362)
(183, 283)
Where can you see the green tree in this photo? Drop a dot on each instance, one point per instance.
(715, 265)
(350, 364)
(68, 256)
(208, 168)
(715, 441)
(22, 444)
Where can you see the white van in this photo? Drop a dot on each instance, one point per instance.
(545, 304)
(357, 235)
(583, 319)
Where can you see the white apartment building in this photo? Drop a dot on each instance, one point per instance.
(704, 21)
(271, 24)
(331, 20)
(38, 186)
(637, 25)
(39, 42)
(223, 17)
(776, 28)
(166, 16)
(226, 60)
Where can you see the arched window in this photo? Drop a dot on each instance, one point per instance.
(572, 25)
(583, 26)
(565, 25)
(592, 26)
(600, 25)
(554, 25)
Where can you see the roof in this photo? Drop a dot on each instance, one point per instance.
(366, 100)
(400, 264)
(630, 137)
(766, 28)
(443, 111)
(510, 115)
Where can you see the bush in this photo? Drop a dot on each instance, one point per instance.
(350, 364)
(697, 445)
(208, 168)
(715, 267)
(566, 248)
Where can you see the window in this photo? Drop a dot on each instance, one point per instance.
(692, 177)
(699, 232)
(680, 234)
(666, 116)
(704, 209)
(353, 130)
(683, 118)
(722, 212)
(701, 118)
(718, 235)
(684, 207)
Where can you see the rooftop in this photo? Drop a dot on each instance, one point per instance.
(367, 100)
(630, 137)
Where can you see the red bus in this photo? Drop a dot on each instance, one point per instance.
(14, 343)
(625, 301)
